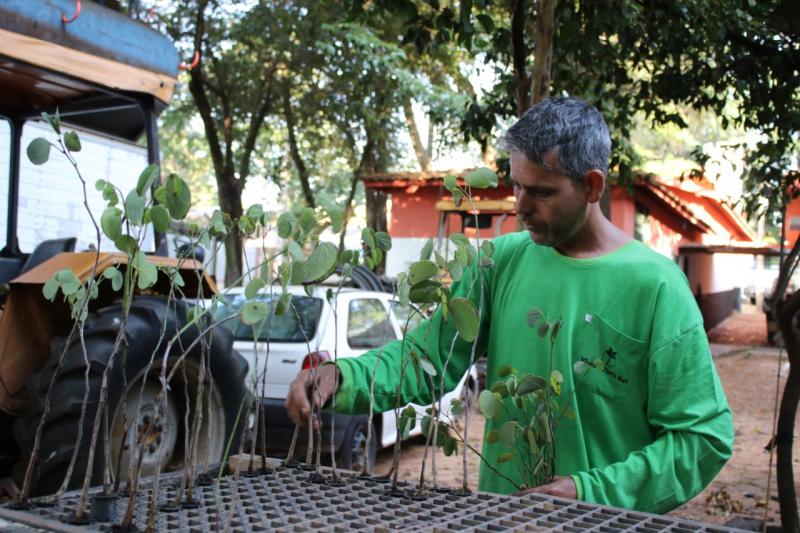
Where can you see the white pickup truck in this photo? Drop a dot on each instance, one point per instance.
(312, 334)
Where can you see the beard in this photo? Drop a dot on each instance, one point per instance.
(558, 231)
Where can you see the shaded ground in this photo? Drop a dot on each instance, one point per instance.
(748, 373)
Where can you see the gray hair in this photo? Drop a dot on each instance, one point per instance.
(568, 127)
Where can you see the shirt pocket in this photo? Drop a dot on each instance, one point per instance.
(621, 355)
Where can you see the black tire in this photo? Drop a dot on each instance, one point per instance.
(226, 390)
(351, 453)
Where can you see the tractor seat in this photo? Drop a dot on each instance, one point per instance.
(47, 249)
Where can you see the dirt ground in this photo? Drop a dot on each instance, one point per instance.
(748, 371)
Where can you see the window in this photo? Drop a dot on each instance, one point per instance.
(368, 324)
(299, 324)
(406, 315)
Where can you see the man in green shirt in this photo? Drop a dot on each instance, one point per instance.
(652, 427)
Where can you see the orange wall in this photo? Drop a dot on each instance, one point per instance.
(414, 213)
(623, 210)
(793, 211)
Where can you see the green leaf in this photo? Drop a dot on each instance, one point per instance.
(383, 241)
(466, 318)
(336, 214)
(245, 225)
(286, 222)
(72, 142)
(425, 292)
(421, 271)
(115, 276)
(487, 248)
(111, 223)
(175, 194)
(307, 219)
(530, 383)
(283, 303)
(217, 224)
(456, 407)
(50, 289)
(456, 270)
(506, 370)
(285, 273)
(508, 433)
(441, 262)
(481, 178)
(493, 436)
(542, 331)
(39, 151)
(110, 194)
(255, 212)
(425, 425)
(298, 273)
(126, 244)
(459, 239)
(505, 457)
(254, 312)
(253, 286)
(569, 413)
(450, 182)
(598, 364)
(533, 317)
(53, 120)
(403, 289)
(556, 379)
(295, 251)
(146, 179)
(134, 208)
(427, 367)
(427, 250)
(70, 284)
(458, 197)
(368, 238)
(147, 272)
(160, 217)
(321, 262)
(489, 403)
(450, 446)
(500, 388)
(554, 331)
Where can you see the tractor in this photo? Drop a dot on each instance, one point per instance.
(111, 75)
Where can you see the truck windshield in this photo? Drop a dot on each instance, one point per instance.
(298, 324)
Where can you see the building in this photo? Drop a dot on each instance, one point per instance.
(686, 221)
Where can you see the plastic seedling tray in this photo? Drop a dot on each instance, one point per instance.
(286, 500)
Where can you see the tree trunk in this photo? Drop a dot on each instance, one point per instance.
(787, 496)
(543, 56)
(519, 57)
(230, 201)
(416, 140)
(294, 150)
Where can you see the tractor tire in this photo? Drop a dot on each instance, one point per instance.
(354, 446)
(151, 324)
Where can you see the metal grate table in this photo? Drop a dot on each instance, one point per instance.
(288, 501)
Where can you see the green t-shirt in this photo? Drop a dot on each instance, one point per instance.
(652, 428)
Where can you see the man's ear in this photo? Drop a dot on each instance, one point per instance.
(594, 181)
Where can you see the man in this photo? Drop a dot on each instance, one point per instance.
(652, 426)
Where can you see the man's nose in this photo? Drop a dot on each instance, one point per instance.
(523, 203)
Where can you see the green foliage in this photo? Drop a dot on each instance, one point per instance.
(39, 151)
(72, 142)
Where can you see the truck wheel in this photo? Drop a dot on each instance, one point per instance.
(224, 394)
(354, 446)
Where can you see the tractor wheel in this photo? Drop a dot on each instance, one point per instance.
(151, 324)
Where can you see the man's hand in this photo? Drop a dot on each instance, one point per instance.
(563, 487)
(299, 400)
